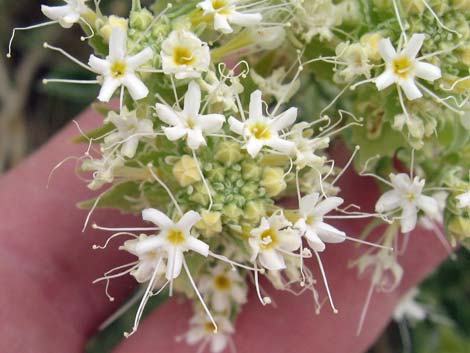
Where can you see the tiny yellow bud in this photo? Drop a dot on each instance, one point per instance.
(273, 181)
(112, 22)
(371, 42)
(186, 172)
(254, 210)
(232, 213)
(210, 223)
(228, 152)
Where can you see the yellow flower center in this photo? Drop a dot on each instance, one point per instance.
(260, 131)
(269, 239)
(183, 56)
(411, 197)
(190, 123)
(118, 69)
(402, 66)
(176, 237)
(209, 326)
(221, 5)
(222, 283)
(311, 219)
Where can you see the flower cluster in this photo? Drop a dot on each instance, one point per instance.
(225, 107)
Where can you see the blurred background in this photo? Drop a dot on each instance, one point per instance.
(31, 112)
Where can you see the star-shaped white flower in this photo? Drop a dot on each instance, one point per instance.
(223, 286)
(312, 211)
(67, 14)
(407, 196)
(118, 69)
(189, 123)
(271, 240)
(184, 55)
(174, 239)
(403, 68)
(202, 330)
(130, 130)
(306, 147)
(225, 13)
(259, 130)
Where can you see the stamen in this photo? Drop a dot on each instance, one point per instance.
(95, 204)
(92, 32)
(199, 295)
(204, 181)
(320, 264)
(366, 305)
(163, 185)
(340, 174)
(96, 247)
(258, 291)
(58, 80)
(400, 23)
(67, 55)
(95, 226)
(10, 43)
(436, 17)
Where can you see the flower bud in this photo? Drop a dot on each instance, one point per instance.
(228, 152)
(140, 20)
(186, 172)
(112, 22)
(273, 181)
(210, 223)
(232, 213)
(254, 210)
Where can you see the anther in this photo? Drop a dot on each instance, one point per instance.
(267, 300)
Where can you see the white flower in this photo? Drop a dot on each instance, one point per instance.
(225, 13)
(67, 14)
(189, 123)
(463, 200)
(428, 221)
(409, 308)
(184, 55)
(402, 68)
(272, 240)
(202, 330)
(103, 169)
(305, 147)
(407, 196)
(274, 86)
(312, 210)
(223, 285)
(118, 69)
(220, 92)
(259, 130)
(130, 130)
(173, 238)
(148, 261)
(268, 38)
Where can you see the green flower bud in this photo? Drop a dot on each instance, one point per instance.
(232, 213)
(200, 194)
(250, 190)
(210, 223)
(186, 172)
(228, 152)
(141, 19)
(251, 170)
(254, 210)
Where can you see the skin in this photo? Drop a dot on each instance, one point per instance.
(48, 303)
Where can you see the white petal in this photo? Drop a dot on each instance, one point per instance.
(328, 205)
(195, 138)
(157, 217)
(238, 294)
(140, 58)
(256, 105)
(194, 335)
(221, 24)
(98, 65)
(198, 246)
(192, 100)
(308, 203)
(135, 86)
(210, 123)
(388, 201)
(149, 244)
(281, 145)
(167, 114)
(411, 90)
(175, 263)
(110, 85)
(253, 146)
(130, 147)
(463, 200)
(218, 343)
(245, 19)
(409, 218)
(236, 125)
(206, 6)
(220, 301)
(290, 241)
(313, 240)
(117, 44)
(272, 260)
(329, 234)
(414, 45)
(427, 71)
(174, 133)
(188, 220)
(56, 13)
(386, 50)
(384, 80)
(401, 181)
(284, 119)
(429, 205)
